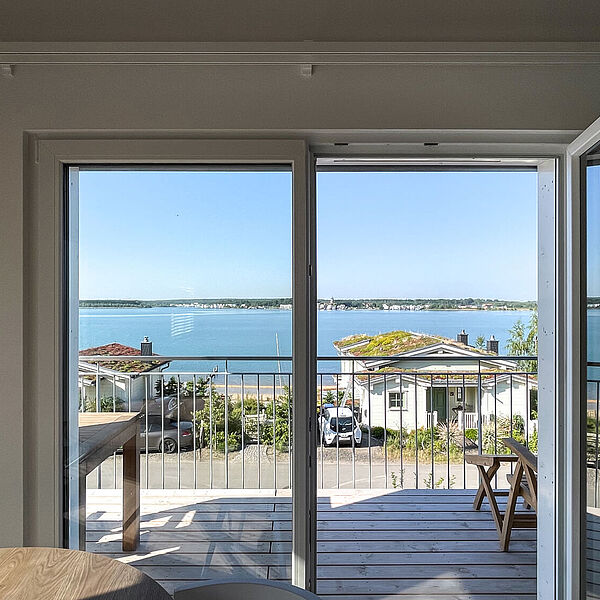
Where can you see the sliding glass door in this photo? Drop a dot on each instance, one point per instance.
(189, 312)
(590, 180)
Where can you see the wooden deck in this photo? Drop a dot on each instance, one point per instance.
(372, 545)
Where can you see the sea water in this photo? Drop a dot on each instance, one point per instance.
(178, 331)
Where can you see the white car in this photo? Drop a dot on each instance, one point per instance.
(338, 424)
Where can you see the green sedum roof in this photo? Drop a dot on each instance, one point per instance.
(395, 342)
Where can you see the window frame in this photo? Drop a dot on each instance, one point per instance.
(55, 167)
(403, 398)
(45, 158)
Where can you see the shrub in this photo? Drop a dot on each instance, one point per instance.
(281, 414)
(533, 441)
(494, 431)
(377, 433)
(449, 432)
(107, 404)
(471, 434)
(217, 411)
(267, 415)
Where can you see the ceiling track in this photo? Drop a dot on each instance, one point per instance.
(304, 55)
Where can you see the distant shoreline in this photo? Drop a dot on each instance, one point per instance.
(425, 304)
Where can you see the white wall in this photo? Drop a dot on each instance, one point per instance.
(196, 100)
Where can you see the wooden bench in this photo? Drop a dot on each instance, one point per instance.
(523, 483)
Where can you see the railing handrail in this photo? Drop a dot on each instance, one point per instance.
(164, 358)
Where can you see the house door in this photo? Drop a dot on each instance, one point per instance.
(438, 403)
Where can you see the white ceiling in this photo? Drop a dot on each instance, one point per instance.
(299, 20)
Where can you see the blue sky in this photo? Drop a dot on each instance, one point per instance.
(180, 234)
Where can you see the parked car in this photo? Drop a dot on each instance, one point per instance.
(166, 435)
(338, 424)
(169, 407)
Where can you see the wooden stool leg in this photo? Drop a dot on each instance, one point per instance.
(481, 491)
(511, 505)
(489, 492)
(131, 494)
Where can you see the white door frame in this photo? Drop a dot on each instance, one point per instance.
(550, 205)
(49, 278)
(559, 314)
(570, 484)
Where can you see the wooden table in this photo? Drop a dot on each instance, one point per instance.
(525, 467)
(58, 574)
(523, 483)
(100, 435)
(488, 465)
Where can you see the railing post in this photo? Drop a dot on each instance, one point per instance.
(479, 420)
(226, 410)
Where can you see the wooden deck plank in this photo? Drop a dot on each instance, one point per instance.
(372, 545)
(339, 515)
(410, 546)
(206, 531)
(428, 587)
(337, 572)
(178, 555)
(101, 524)
(420, 597)
(171, 586)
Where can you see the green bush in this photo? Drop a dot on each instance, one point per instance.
(377, 433)
(107, 404)
(494, 431)
(533, 441)
(471, 434)
(281, 414)
(217, 412)
(268, 414)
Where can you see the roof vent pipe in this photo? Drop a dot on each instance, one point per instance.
(463, 338)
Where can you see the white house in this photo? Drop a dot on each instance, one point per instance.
(118, 379)
(431, 377)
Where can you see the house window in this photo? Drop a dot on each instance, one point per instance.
(397, 400)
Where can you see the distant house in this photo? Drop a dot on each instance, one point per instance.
(408, 390)
(118, 379)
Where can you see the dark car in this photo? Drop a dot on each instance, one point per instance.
(169, 407)
(166, 435)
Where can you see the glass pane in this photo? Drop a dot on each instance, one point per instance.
(593, 384)
(427, 292)
(193, 264)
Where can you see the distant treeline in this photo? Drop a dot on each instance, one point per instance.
(437, 303)
(115, 304)
(378, 303)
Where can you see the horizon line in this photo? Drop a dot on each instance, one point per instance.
(340, 299)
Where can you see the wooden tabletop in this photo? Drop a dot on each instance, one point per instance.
(487, 460)
(101, 434)
(58, 574)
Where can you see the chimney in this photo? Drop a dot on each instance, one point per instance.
(463, 338)
(146, 347)
(492, 345)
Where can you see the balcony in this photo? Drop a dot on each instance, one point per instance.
(395, 498)
(371, 543)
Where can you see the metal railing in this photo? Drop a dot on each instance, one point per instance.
(412, 422)
(592, 427)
